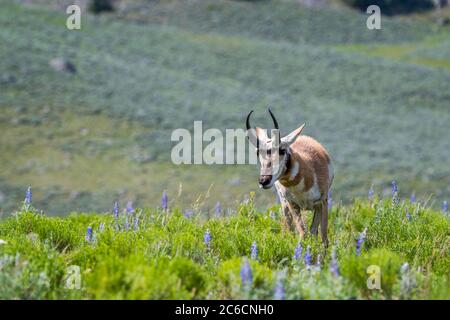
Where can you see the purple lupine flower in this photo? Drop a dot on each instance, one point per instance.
(207, 238)
(164, 201)
(89, 234)
(408, 215)
(116, 214)
(412, 198)
(394, 192)
(360, 241)
(254, 251)
(445, 207)
(246, 274)
(394, 188)
(127, 223)
(330, 200)
(28, 197)
(371, 193)
(272, 215)
(404, 268)
(129, 208)
(136, 223)
(188, 213)
(218, 208)
(101, 227)
(406, 282)
(298, 251)
(307, 257)
(318, 262)
(280, 292)
(334, 266)
(116, 211)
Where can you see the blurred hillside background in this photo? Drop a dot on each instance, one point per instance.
(86, 116)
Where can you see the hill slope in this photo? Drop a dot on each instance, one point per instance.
(378, 101)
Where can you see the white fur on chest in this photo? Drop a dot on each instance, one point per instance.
(297, 194)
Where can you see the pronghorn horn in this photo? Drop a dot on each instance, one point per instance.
(248, 120)
(275, 123)
(251, 133)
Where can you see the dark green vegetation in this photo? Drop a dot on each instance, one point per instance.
(164, 255)
(393, 6)
(378, 100)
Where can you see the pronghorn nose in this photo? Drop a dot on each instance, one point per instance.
(265, 180)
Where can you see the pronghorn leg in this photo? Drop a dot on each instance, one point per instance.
(288, 221)
(324, 223)
(316, 218)
(298, 220)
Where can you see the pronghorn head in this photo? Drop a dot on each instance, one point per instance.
(273, 152)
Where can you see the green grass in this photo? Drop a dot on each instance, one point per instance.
(165, 257)
(87, 139)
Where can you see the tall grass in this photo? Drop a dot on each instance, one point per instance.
(165, 255)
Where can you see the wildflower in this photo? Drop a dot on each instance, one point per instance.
(408, 215)
(28, 197)
(406, 282)
(394, 192)
(136, 223)
(394, 188)
(101, 227)
(164, 201)
(318, 262)
(330, 200)
(89, 234)
(307, 257)
(360, 241)
(116, 211)
(254, 251)
(218, 208)
(445, 207)
(246, 274)
(272, 215)
(3, 242)
(404, 268)
(334, 266)
(207, 238)
(127, 224)
(188, 213)
(298, 251)
(280, 293)
(129, 208)
(412, 199)
(371, 193)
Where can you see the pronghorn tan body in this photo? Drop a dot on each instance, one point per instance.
(301, 171)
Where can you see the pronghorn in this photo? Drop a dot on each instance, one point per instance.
(301, 171)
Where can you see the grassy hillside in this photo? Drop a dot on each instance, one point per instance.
(377, 100)
(174, 254)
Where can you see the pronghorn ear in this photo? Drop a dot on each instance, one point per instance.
(291, 137)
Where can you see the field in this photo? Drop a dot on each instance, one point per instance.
(377, 100)
(100, 134)
(244, 254)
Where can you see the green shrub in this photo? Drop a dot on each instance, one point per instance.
(391, 7)
(229, 282)
(355, 268)
(98, 6)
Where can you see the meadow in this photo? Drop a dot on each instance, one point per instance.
(94, 145)
(170, 253)
(377, 100)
